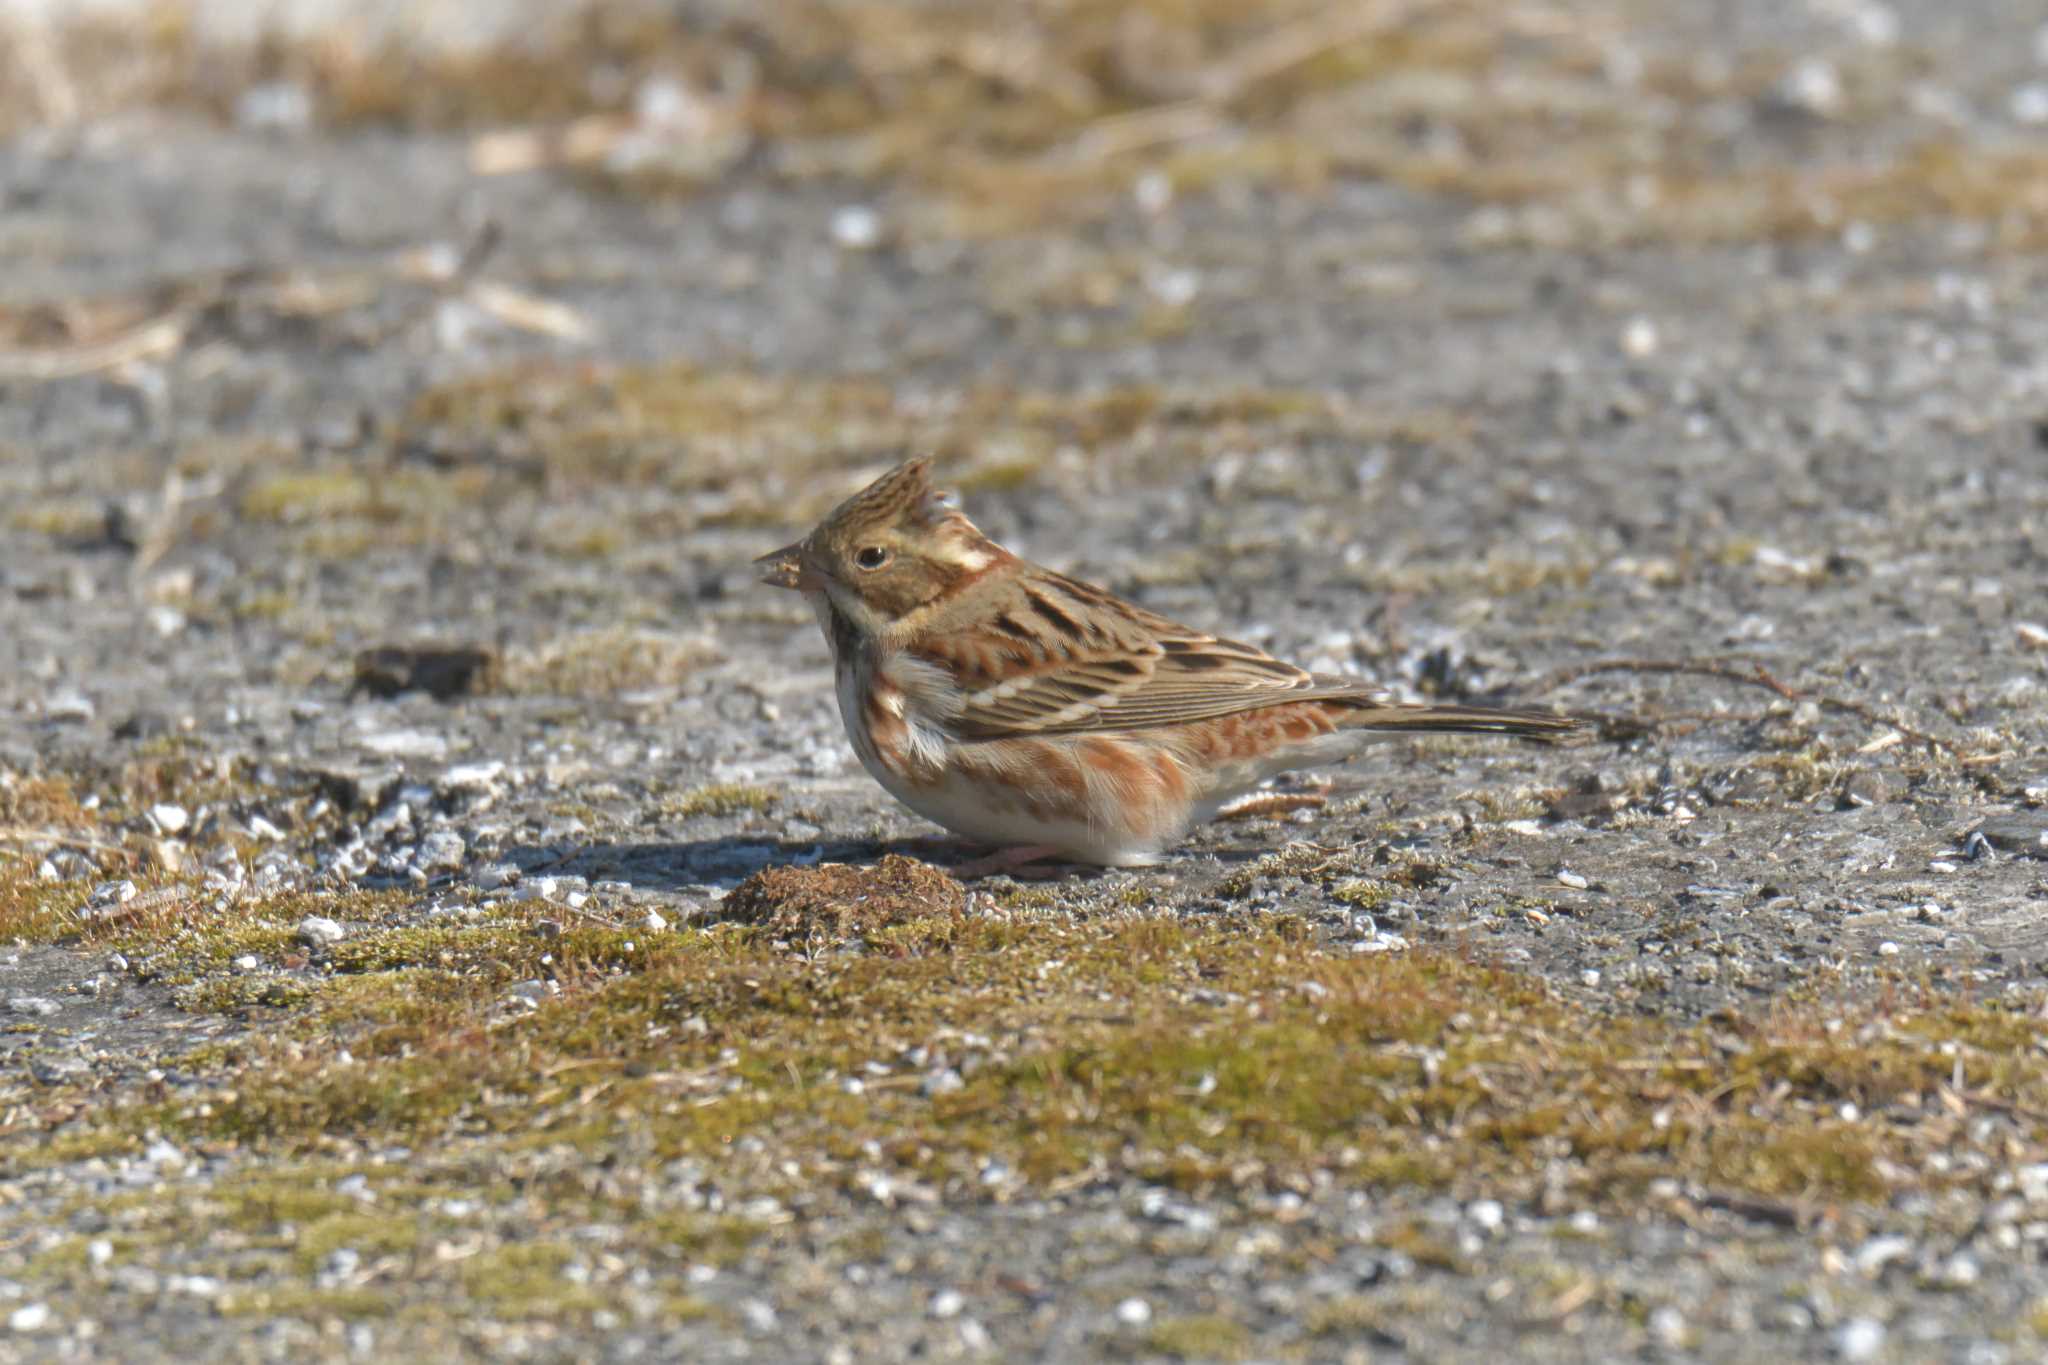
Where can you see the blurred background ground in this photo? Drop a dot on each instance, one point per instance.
(391, 398)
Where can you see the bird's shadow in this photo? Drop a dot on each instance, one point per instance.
(698, 863)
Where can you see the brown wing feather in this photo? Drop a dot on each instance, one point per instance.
(1068, 658)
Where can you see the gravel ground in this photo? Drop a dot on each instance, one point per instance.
(1472, 446)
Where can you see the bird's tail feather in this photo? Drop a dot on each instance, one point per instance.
(1458, 720)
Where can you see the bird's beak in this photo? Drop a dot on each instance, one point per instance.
(786, 568)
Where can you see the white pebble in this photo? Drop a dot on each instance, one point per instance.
(1154, 192)
(1576, 881)
(1877, 1253)
(170, 819)
(275, 107)
(470, 777)
(73, 705)
(442, 851)
(857, 228)
(1859, 1339)
(318, 931)
(1134, 1312)
(495, 875)
(947, 1303)
(30, 1317)
(109, 894)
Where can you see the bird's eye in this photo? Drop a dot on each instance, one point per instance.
(871, 556)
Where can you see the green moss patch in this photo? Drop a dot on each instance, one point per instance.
(844, 1024)
(851, 1005)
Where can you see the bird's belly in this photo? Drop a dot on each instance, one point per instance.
(969, 805)
(1021, 794)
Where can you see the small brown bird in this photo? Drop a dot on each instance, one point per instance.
(1046, 716)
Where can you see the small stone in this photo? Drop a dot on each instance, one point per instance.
(1380, 942)
(1576, 881)
(71, 705)
(275, 107)
(1887, 949)
(495, 875)
(318, 931)
(442, 851)
(470, 778)
(1590, 977)
(947, 1303)
(528, 992)
(58, 1070)
(1587, 805)
(760, 1315)
(143, 725)
(1877, 1253)
(1959, 1271)
(170, 819)
(2031, 636)
(1859, 1339)
(1134, 1312)
(655, 921)
(2019, 834)
(248, 962)
(539, 889)
(404, 743)
(261, 828)
(1486, 1214)
(107, 895)
(1872, 787)
(943, 1082)
(1812, 86)
(37, 1006)
(1639, 339)
(356, 787)
(857, 228)
(443, 672)
(1667, 1325)
(30, 1317)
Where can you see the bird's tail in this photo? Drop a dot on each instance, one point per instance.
(1457, 720)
